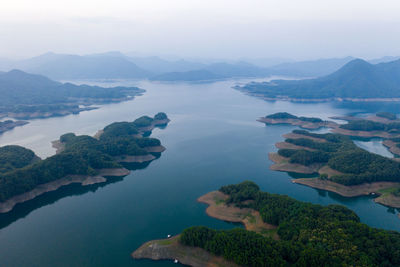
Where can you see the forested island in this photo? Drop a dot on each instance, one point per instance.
(79, 159)
(358, 80)
(303, 122)
(306, 235)
(27, 96)
(342, 166)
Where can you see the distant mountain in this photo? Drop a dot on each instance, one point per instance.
(215, 71)
(267, 62)
(158, 65)
(98, 66)
(25, 95)
(188, 76)
(383, 59)
(311, 68)
(237, 70)
(357, 79)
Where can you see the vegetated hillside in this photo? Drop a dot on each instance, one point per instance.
(21, 171)
(356, 165)
(357, 79)
(309, 234)
(99, 66)
(24, 92)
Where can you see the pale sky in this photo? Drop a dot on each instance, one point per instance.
(297, 29)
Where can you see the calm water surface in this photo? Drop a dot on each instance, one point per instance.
(213, 140)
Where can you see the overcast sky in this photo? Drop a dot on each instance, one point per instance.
(297, 29)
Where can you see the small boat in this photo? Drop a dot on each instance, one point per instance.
(175, 261)
(168, 236)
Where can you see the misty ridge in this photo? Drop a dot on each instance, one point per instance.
(116, 65)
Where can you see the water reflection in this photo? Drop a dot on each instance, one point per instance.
(21, 210)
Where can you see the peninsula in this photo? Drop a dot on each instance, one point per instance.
(341, 166)
(10, 124)
(80, 159)
(304, 234)
(28, 96)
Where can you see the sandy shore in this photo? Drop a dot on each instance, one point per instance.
(286, 145)
(171, 249)
(392, 146)
(135, 159)
(54, 185)
(58, 146)
(356, 190)
(155, 149)
(282, 164)
(217, 208)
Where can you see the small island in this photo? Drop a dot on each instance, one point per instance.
(291, 233)
(79, 159)
(341, 166)
(303, 122)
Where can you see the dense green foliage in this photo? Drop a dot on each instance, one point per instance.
(387, 115)
(285, 115)
(82, 155)
(310, 235)
(363, 125)
(27, 93)
(357, 79)
(160, 116)
(367, 125)
(281, 115)
(143, 121)
(15, 157)
(304, 157)
(340, 153)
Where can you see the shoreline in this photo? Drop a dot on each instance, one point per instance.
(84, 180)
(319, 100)
(297, 122)
(171, 249)
(366, 189)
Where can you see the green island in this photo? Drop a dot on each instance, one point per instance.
(27, 96)
(303, 122)
(79, 159)
(342, 166)
(298, 234)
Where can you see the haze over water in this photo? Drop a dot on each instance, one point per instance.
(213, 139)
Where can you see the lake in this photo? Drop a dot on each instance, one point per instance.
(213, 139)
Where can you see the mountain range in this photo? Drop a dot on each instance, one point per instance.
(357, 79)
(115, 65)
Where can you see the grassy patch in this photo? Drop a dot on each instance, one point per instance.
(251, 218)
(165, 242)
(387, 190)
(219, 201)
